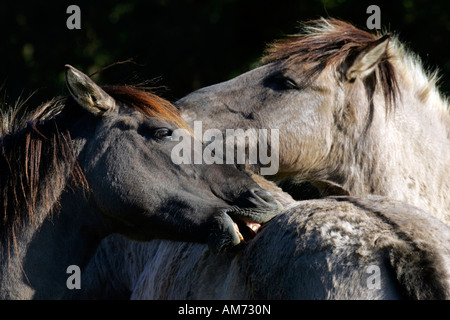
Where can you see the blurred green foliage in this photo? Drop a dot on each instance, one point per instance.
(187, 44)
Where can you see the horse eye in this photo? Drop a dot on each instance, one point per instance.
(289, 83)
(279, 82)
(162, 133)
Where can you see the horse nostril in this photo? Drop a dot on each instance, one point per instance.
(259, 197)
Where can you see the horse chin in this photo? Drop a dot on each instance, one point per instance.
(223, 235)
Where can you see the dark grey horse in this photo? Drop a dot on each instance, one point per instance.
(99, 163)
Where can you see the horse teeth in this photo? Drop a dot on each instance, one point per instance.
(236, 228)
(253, 225)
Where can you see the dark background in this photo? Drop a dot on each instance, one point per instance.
(185, 44)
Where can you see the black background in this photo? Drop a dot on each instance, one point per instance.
(185, 44)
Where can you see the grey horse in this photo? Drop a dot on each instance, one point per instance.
(352, 108)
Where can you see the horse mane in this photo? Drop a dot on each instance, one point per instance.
(37, 144)
(328, 42)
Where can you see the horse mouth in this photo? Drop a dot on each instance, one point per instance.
(246, 230)
(233, 231)
(240, 223)
(256, 207)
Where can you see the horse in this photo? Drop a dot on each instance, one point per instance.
(353, 109)
(339, 247)
(80, 168)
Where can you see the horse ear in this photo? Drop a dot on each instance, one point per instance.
(367, 60)
(87, 93)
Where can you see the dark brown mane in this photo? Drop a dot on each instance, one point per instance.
(36, 163)
(329, 42)
(37, 156)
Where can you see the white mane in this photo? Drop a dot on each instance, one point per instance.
(409, 67)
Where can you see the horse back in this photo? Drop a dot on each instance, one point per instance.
(350, 248)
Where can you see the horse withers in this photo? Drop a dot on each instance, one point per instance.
(80, 168)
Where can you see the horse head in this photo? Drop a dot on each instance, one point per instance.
(126, 159)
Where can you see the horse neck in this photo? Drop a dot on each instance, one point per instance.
(57, 233)
(37, 264)
(405, 154)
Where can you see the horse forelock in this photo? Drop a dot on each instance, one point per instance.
(147, 103)
(329, 42)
